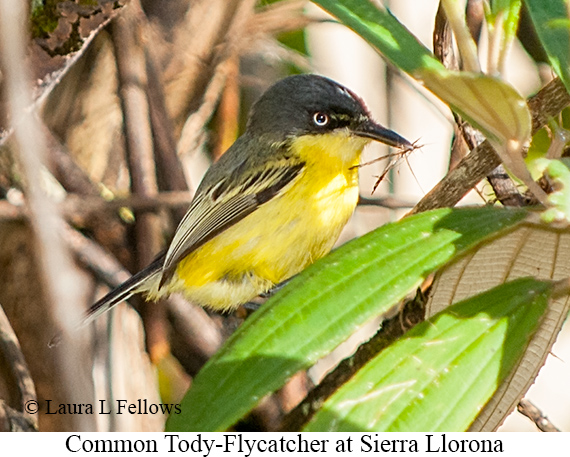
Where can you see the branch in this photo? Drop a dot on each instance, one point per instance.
(526, 408)
(131, 66)
(193, 127)
(482, 160)
(169, 168)
(78, 208)
(12, 353)
(108, 231)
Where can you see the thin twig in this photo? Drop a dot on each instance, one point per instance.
(104, 266)
(12, 353)
(168, 166)
(195, 123)
(526, 408)
(109, 231)
(66, 170)
(78, 209)
(132, 68)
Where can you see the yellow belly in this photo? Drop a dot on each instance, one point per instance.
(276, 241)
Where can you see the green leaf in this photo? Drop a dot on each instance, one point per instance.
(455, 13)
(442, 372)
(549, 18)
(324, 305)
(488, 103)
(509, 11)
(384, 32)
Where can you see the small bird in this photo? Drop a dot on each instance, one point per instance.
(274, 203)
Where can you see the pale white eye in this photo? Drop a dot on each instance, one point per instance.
(320, 119)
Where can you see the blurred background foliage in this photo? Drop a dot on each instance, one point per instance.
(136, 98)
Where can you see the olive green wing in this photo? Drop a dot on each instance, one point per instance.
(216, 209)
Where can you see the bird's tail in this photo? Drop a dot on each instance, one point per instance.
(117, 295)
(123, 291)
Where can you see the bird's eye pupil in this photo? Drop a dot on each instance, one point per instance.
(320, 119)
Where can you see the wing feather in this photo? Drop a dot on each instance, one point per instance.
(222, 206)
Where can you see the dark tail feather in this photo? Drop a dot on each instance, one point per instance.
(118, 294)
(123, 291)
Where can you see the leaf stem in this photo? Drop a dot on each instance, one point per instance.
(465, 43)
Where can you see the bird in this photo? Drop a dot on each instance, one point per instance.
(275, 202)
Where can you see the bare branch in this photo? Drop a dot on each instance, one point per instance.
(12, 353)
(194, 124)
(526, 408)
(131, 65)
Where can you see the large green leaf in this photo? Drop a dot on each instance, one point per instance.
(552, 25)
(324, 305)
(538, 250)
(441, 373)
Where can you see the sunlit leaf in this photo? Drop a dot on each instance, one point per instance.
(550, 19)
(531, 250)
(440, 374)
(490, 104)
(505, 13)
(384, 32)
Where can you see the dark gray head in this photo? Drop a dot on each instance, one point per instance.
(311, 104)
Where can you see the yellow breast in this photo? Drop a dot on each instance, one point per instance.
(282, 236)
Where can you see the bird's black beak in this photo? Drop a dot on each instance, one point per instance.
(374, 131)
